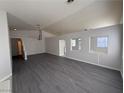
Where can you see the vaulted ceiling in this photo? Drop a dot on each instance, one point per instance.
(59, 17)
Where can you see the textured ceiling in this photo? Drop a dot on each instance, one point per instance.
(56, 16)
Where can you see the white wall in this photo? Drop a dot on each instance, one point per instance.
(110, 60)
(5, 58)
(121, 22)
(30, 39)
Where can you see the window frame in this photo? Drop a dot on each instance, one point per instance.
(79, 45)
(92, 50)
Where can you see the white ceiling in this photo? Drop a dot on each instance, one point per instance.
(96, 15)
(58, 17)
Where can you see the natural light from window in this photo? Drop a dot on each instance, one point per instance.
(76, 44)
(102, 42)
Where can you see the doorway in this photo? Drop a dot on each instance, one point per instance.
(17, 48)
(62, 48)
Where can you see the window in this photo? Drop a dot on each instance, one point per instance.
(102, 42)
(73, 43)
(76, 44)
(99, 44)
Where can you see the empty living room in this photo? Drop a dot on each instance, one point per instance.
(61, 46)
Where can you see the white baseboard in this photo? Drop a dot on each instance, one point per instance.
(112, 68)
(6, 77)
(52, 54)
(35, 54)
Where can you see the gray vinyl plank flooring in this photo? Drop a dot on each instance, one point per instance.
(46, 73)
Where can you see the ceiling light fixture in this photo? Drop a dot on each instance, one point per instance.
(14, 29)
(40, 31)
(85, 29)
(70, 1)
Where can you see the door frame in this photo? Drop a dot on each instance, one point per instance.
(63, 49)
